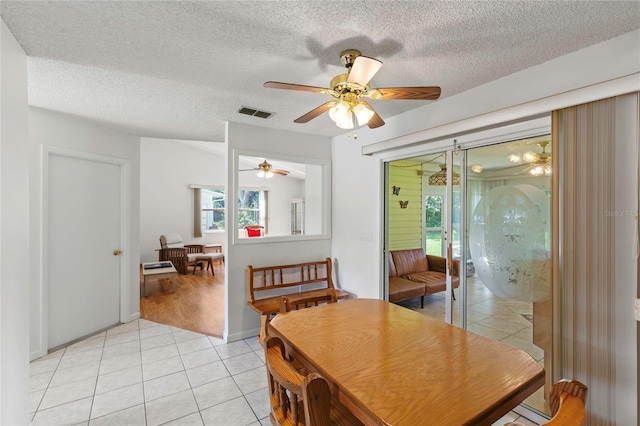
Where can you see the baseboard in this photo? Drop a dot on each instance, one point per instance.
(36, 354)
(241, 336)
(134, 316)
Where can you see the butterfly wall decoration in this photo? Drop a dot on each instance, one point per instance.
(396, 190)
(404, 204)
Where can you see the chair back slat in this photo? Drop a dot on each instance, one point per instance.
(316, 393)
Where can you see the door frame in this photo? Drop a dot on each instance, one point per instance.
(125, 233)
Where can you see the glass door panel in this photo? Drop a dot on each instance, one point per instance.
(508, 210)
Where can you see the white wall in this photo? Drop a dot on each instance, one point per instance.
(167, 168)
(313, 201)
(15, 253)
(48, 128)
(240, 320)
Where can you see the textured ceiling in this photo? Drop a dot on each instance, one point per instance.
(181, 69)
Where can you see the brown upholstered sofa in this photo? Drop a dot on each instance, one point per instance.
(414, 274)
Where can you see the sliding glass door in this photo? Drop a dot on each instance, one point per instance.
(486, 211)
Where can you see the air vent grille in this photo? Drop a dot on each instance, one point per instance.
(254, 112)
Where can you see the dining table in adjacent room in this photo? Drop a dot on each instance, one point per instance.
(393, 366)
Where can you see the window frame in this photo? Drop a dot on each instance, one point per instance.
(324, 194)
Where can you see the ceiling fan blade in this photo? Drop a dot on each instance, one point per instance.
(363, 70)
(375, 121)
(280, 172)
(415, 93)
(315, 112)
(289, 86)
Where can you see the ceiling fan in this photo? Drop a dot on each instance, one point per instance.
(539, 163)
(266, 170)
(536, 163)
(350, 89)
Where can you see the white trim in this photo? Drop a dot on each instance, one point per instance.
(134, 316)
(125, 234)
(229, 338)
(529, 110)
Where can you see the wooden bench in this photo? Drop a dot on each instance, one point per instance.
(268, 284)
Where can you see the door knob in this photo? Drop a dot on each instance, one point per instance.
(116, 252)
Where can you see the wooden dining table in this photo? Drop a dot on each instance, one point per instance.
(392, 366)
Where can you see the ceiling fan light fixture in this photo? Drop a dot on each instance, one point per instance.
(541, 170)
(339, 112)
(347, 122)
(476, 168)
(363, 114)
(263, 174)
(530, 157)
(514, 158)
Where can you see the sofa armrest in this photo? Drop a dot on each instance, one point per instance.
(439, 264)
(456, 268)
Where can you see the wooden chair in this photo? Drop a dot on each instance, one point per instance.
(181, 255)
(294, 302)
(254, 231)
(300, 400)
(567, 399)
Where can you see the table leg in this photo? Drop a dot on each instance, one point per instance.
(144, 286)
(173, 283)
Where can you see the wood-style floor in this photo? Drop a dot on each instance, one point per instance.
(197, 304)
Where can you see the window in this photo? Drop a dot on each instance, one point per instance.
(252, 208)
(212, 209)
(209, 209)
(433, 224)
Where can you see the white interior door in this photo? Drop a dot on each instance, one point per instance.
(83, 229)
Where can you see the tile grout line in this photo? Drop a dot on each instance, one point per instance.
(188, 379)
(95, 387)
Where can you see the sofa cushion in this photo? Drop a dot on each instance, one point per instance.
(433, 281)
(401, 289)
(410, 261)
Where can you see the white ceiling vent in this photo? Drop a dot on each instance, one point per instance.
(254, 112)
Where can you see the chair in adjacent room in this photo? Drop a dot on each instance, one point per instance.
(207, 259)
(173, 249)
(254, 231)
(300, 400)
(567, 401)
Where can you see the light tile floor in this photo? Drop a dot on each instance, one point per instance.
(145, 373)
